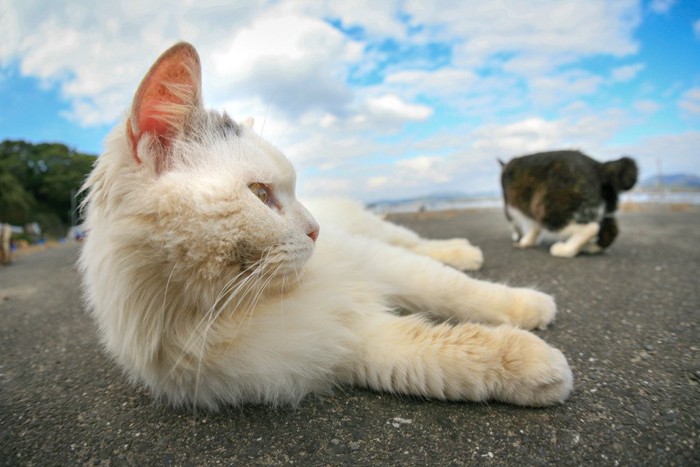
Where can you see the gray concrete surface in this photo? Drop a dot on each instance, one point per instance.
(628, 323)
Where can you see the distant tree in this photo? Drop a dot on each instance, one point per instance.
(37, 182)
(15, 202)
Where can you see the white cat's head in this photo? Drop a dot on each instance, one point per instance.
(205, 197)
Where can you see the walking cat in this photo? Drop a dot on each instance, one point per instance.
(566, 193)
(213, 285)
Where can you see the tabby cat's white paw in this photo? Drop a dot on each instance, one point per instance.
(563, 250)
(534, 373)
(531, 309)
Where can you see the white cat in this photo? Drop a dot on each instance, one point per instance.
(213, 285)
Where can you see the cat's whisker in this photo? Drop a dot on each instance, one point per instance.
(232, 286)
(201, 330)
(249, 283)
(249, 311)
(233, 290)
(267, 280)
(228, 287)
(161, 316)
(259, 294)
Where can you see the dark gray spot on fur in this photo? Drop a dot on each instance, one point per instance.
(227, 126)
(205, 124)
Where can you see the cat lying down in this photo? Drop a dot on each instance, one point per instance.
(568, 194)
(213, 285)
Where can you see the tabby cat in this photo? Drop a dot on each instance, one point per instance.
(566, 193)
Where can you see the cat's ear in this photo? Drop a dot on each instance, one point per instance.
(248, 122)
(165, 100)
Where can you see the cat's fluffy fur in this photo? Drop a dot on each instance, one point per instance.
(566, 195)
(203, 273)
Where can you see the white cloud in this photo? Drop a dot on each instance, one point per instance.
(690, 101)
(646, 106)
(696, 28)
(464, 159)
(96, 56)
(559, 87)
(677, 153)
(626, 72)
(421, 163)
(444, 83)
(515, 79)
(661, 6)
(378, 19)
(377, 182)
(394, 107)
(285, 55)
(559, 31)
(294, 62)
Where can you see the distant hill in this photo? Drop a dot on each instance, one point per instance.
(430, 201)
(678, 181)
(429, 198)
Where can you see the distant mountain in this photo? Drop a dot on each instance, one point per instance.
(432, 199)
(688, 181)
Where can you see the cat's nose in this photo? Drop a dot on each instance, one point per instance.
(313, 235)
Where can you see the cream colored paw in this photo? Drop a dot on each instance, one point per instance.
(530, 309)
(533, 373)
(563, 250)
(524, 243)
(456, 252)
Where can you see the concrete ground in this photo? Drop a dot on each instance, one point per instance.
(628, 324)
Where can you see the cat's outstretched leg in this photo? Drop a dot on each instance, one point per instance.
(423, 285)
(408, 355)
(354, 218)
(455, 252)
(579, 236)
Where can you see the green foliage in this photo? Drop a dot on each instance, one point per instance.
(37, 182)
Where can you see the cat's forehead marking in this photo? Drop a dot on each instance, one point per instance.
(225, 124)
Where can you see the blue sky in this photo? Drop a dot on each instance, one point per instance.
(377, 99)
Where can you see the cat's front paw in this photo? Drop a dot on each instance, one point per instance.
(530, 309)
(563, 250)
(456, 252)
(533, 373)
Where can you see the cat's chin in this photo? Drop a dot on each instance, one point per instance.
(284, 283)
(284, 277)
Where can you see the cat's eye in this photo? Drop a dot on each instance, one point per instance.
(263, 193)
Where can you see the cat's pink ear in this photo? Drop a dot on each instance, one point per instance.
(167, 96)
